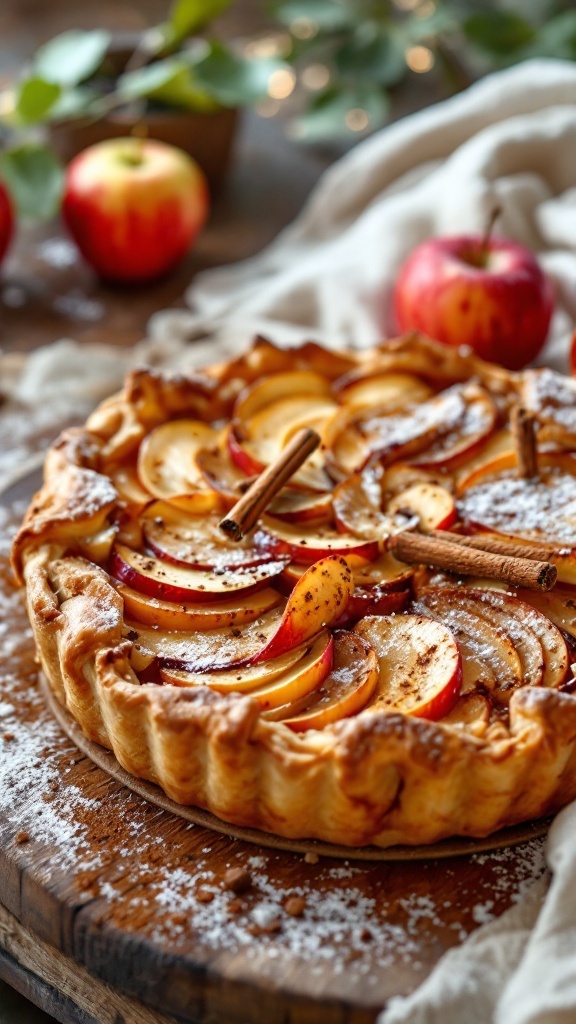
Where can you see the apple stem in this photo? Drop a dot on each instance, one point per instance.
(493, 217)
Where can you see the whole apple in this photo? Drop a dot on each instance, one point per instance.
(485, 292)
(6, 221)
(134, 207)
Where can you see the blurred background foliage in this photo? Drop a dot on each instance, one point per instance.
(335, 70)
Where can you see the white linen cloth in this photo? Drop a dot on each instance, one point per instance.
(511, 141)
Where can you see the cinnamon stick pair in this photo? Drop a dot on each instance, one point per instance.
(515, 564)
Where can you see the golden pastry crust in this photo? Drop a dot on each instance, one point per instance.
(378, 778)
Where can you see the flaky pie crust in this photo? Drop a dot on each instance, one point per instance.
(375, 778)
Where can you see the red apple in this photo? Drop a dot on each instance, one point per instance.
(6, 221)
(488, 293)
(134, 207)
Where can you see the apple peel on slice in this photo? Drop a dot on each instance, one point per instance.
(178, 583)
(193, 651)
(167, 465)
(318, 600)
(344, 692)
(308, 542)
(245, 678)
(420, 667)
(168, 615)
(196, 540)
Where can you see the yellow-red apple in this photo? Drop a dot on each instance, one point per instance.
(488, 293)
(134, 207)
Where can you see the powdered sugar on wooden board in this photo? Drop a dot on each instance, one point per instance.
(157, 876)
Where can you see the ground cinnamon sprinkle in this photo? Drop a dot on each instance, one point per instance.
(151, 874)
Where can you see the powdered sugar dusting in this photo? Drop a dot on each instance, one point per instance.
(148, 873)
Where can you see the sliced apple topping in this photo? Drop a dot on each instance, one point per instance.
(420, 667)
(319, 598)
(221, 472)
(438, 432)
(270, 412)
(244, 678)
(512, 639)
(200, 615)
(552, 396)
(364, 390)
(167, 465)
(542, 508)
(489, 658)
(178, 583)
(193, 651)
(431, 503)
(196, 540)
(307, 542)
(344, 692)
(357, 505)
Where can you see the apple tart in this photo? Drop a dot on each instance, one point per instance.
(329, 675)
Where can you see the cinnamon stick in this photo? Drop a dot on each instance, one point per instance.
(246, 511)
(523, 425)
(536, 551)
(468, 561)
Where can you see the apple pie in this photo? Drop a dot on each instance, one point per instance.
(382, 659)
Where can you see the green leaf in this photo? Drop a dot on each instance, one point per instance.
(378, 60)
(170, 81)
(499, 32)
(34, 99)
(34, 178)
(189, 16)
(72, 57)
(327, 117)
(148, 80)
(73, 103)
(557, 38)
(233, 80)
(328, 15)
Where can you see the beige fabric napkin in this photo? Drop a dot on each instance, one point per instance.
(521, 968)
(509, 140)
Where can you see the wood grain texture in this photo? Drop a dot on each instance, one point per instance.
(56, 982)
(120, 887)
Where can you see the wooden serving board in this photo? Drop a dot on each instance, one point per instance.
(102, 885)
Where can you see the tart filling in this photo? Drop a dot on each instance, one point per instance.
(305, 681)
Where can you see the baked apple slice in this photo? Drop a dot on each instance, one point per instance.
(437, 432)
(307, 542)
(202, 615)
(270, 412)
(385, 572)
(273, 683)
(489, 659)
(195, 652)
(520, 645)
(357, 505)
(552, 397)
(187, 540)
(167, 465)
(433, 505)
(177, 583)
(319, 598)
(344, 692)
(420, 667)
(367, 390)
(244, 678)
